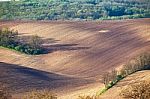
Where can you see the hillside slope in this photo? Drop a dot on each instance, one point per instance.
(82, 50)
(19, 79)
(114, 92)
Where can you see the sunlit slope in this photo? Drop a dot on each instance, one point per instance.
(114, 92)
(83, 48)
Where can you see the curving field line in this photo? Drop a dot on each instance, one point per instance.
(81, 50)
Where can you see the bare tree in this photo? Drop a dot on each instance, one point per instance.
(106, 78)
(113, 75)
(35, 42)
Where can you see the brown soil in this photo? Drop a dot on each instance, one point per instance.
(79, 52)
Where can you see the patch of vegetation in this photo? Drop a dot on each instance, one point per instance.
(11, 39)
(109, 79)
(44, 94)
(137, 91)
(88, 97)
(140, 90)
(4, 94)
(74, 9)
(40, 95)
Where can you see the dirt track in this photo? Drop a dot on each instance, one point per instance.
(81, 50)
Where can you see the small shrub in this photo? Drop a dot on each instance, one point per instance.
(110, 85)
(103, 90)
(88, 97)
(119, 77)
(18, 48)
(40, 95)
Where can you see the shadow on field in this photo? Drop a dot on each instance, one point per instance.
(63, 47)
(21, 79)
(51, 45)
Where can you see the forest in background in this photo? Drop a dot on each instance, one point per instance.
(74, 9)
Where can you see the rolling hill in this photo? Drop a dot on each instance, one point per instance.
(115, 91)
(78, 53)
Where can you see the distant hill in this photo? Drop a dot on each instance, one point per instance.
(74, 9)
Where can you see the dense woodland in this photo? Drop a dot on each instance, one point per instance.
(74, 9)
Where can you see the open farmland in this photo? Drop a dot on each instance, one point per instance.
(78, 53)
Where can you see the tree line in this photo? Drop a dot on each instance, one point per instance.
(142, 62)
(11, 39)
(74, 9)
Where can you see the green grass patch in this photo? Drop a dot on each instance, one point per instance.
(110, 85)
(11, 49)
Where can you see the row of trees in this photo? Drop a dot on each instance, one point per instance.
(11, 39)
(138, 90)
(74, 9)
(142, 62)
